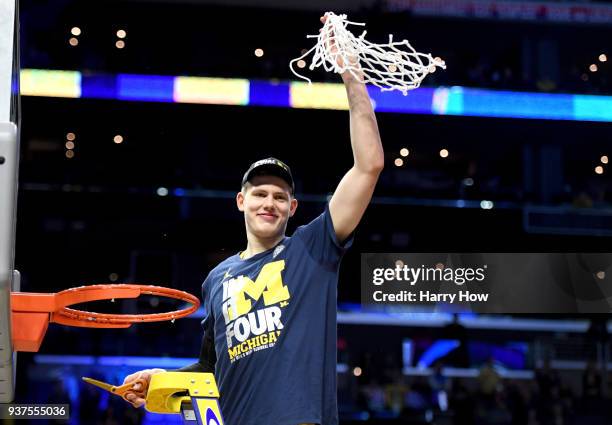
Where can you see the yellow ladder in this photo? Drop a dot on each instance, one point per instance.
(192, 394)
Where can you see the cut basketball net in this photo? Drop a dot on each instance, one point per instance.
(395, 65)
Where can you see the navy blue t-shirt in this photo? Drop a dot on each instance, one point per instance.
(274, 321)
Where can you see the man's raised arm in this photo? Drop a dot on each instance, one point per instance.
(354, 191)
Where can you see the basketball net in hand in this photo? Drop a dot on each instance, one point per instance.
(395, 65)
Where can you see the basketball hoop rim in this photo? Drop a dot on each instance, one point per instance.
(58, 304)
(92, 319)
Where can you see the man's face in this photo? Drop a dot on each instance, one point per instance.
(267, 204)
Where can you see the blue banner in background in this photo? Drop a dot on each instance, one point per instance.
(460, 101)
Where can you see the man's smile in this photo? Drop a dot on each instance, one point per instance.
(267, 216)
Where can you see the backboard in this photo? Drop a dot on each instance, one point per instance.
(9, 151)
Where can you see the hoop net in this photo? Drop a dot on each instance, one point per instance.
(395, 65)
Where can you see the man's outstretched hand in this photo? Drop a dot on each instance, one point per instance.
(146, 374)
(330, 43)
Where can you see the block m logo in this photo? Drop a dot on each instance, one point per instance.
(269, 283)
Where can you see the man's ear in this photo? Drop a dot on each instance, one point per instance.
(294, 205)
(240, 201)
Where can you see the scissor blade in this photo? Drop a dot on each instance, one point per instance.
(97, 383)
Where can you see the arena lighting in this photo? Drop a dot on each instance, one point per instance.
(259, 52)
(121, 34)
(69, 145)
(468, 181)
(357, 371)
(593, 68)
(118, 139)
(301, 64)
(444, 153)
(601, 275)
(398, 162)
(599, 169)
(213, 91)
(69, 154)
(73, 41)
(149, 362)
(455, 101)
(162, 191)
(486, 205)
(76, 31)
(318, 96)
(129, 361)
(399, 263)
(113, 277)
(436, 351)
(404, 152)
(70, 136)
(604, 159)
(51, 83)
(120, 44)
(603, 57)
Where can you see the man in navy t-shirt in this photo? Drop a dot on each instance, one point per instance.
(270, 322)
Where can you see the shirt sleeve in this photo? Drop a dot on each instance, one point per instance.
(321, 241)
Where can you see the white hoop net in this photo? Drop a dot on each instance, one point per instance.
(395, 65)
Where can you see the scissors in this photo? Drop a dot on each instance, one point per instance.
(121, 390)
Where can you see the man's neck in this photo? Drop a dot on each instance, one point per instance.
(256, 245)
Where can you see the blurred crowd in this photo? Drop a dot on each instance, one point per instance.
(484, 399)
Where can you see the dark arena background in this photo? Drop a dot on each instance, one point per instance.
(139, 117)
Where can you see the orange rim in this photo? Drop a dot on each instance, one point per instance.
(32, 312)
(91, 319)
